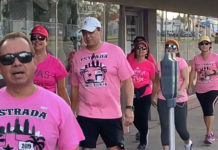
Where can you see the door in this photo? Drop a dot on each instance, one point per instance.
(134, 26)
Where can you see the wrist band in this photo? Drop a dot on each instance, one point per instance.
(130, 107)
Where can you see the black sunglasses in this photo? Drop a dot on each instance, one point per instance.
(204, 43)
(171, 46)
(23, 57)
(141, 48)
(40, 38)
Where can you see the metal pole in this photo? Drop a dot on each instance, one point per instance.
(169, 74)
(165, 26)
(56, 28)
(198, 29)
(172, 128)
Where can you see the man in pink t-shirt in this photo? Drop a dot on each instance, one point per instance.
(98, 72)
(31, 117)
(205, 65)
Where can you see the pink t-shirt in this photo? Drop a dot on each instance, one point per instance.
(206, 83)
(182, 64)
(99, 77)
(142, 74)
(150, 57)
(48, 72)
(40, 121)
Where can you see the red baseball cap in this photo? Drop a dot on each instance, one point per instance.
(39, 29)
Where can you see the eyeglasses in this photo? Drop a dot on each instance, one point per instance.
(23, 57)
(204, 43)
(141, 48)
(171, 46)
(39, 38)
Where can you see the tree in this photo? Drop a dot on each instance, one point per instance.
(38, 142)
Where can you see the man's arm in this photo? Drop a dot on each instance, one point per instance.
(129, 93)
(74, 97)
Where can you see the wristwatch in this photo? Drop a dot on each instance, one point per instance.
(130, 107)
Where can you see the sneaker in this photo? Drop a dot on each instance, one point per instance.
(141, 147)
(137, 136)
(209, 139)
(189, 146)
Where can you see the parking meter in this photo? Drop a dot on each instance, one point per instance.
(169, 86)
(169, 78)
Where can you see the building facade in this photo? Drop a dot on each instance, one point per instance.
(121, 24)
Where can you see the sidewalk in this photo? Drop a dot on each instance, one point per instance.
(196, 128)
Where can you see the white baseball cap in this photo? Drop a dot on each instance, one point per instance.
(90, 24)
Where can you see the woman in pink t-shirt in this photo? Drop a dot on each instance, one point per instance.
(50, 72)
(144, 73)
(172, 46)
(205, 65)
(131, 55)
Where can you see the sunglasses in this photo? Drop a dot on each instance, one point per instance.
(204, 43)
(23, 57)
(39, 38)
(171, 46)
(141, 48)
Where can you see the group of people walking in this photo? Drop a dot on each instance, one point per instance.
(146, 81)
(204, 67)
(97, 73)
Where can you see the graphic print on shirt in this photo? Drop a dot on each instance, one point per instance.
(21, 134)
(94, 71)
(203, 76)
(42, 78)
(202, 71)
(138, 75)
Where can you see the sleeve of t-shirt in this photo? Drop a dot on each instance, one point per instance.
(69, 129)
(182, 64)
(152, 71)
(61, 70)
(151, 59)
(124, 69)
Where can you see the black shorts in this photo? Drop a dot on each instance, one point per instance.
(111, 131)
(208, 101)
